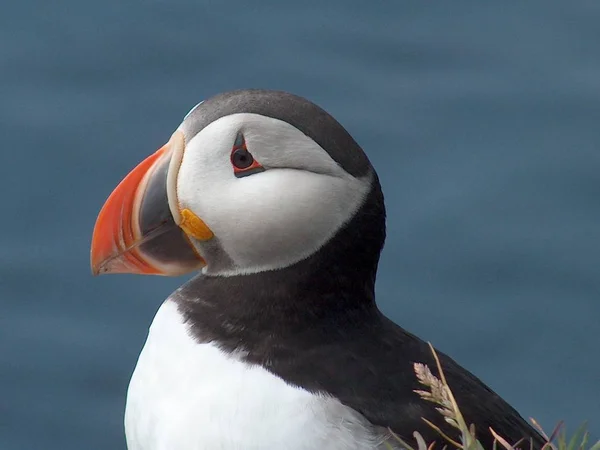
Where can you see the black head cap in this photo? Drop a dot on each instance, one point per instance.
(302, 114)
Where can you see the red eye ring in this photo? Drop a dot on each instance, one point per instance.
(242, 160)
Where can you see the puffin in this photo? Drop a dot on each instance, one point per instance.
(277, 342)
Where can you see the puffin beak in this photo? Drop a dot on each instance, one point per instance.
(140, 228)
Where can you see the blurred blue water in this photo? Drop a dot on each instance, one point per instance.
(482, 120)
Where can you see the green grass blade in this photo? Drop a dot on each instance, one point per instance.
(577, 438)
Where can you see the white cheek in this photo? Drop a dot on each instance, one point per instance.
(284, 215)
(204, 169)
(274, 218)
(277, 217)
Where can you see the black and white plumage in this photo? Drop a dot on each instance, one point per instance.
(278, 343)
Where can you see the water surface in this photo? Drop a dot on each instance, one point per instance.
(481, 119)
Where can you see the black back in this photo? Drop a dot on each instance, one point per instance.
(316, 325)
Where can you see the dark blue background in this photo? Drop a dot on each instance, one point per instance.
(483, 121)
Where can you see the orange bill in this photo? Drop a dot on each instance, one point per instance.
(135, 231)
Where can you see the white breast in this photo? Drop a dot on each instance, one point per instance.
(189, 396)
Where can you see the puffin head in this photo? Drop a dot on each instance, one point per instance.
(251, 181)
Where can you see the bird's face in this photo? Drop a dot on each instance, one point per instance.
(243, 193)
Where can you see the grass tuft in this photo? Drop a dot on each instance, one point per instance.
(437, 391)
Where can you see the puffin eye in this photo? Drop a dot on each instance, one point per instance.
(242, 160)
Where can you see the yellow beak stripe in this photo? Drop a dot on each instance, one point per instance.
(194, 226)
